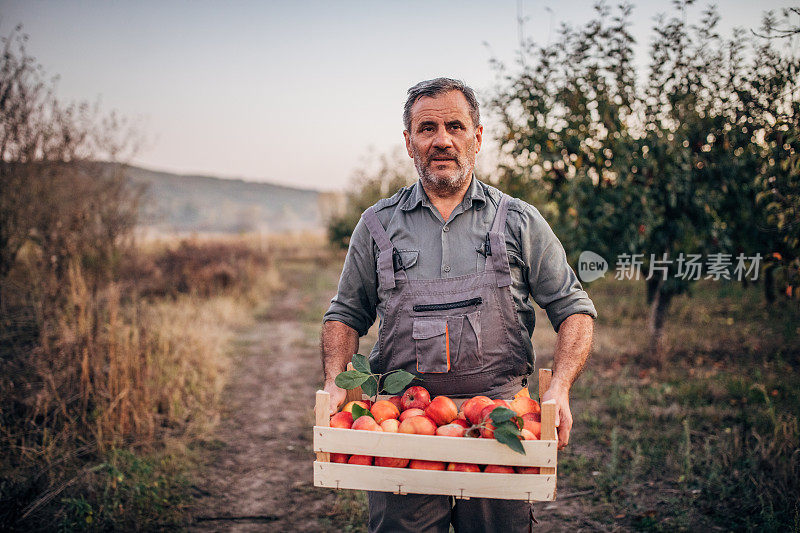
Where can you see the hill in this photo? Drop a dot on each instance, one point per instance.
(181, 203)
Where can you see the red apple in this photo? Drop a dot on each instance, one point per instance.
(415, 397)
(390, 425)
(365, 460)
(343, 420)
(418, 425)
(501, 403)
(524, 405)
(498, 469)
(527, 434)
(450, 430)
(397, 403)
(461, 422)
(536, 417)
(384, 410)
(419, 464)
(391, 462)
(487, 431)
(527, 469)
(366, 423)
(442, 410)
(348, 408)
(532, 425)
(472, 408)
(463, 467)
(339, 457)
(411, 412)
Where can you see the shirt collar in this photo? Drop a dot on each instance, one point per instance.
(475, 195)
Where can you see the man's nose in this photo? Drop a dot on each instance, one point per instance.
(443, 139)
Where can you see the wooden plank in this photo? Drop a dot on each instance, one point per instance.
(322, 411)
(433, 448)
(532, 487)
(549, 427)
(545, 375)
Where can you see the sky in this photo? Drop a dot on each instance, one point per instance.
(297, 93)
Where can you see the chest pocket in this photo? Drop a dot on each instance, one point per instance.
(518, 268)
(515, 263)
(405, 259)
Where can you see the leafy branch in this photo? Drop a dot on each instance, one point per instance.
(371, 383)
(507, 428)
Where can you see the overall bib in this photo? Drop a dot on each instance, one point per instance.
(461, 336)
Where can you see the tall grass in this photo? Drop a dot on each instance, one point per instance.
(125, 366)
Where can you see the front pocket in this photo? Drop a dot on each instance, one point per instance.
(422, 308)
(436, 340)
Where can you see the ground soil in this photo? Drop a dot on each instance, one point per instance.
(258, 475)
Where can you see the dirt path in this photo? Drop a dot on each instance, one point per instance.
(259, 477)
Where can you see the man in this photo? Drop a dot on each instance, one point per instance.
(450, 265)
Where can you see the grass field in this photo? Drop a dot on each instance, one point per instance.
(709, 441)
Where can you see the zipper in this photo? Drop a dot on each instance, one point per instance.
(450, 305)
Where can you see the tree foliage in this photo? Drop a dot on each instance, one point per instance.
(380, 177)
(696, 157)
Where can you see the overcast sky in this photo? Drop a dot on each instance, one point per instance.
(289, 92)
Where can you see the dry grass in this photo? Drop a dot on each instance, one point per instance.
(126, 366)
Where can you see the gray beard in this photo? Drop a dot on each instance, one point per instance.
(441, 186)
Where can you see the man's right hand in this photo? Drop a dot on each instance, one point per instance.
(337, 396)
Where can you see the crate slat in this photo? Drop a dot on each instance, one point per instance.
(532, 487)
(322, 418)
(548, 412)
(433, 448)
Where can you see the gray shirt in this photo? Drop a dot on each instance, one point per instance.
(431, 248)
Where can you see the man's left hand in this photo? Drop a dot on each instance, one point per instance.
(560, 393)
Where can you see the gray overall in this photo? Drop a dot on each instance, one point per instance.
(461, 336)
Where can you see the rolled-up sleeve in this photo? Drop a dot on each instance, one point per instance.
(552, 283)
(356, 300)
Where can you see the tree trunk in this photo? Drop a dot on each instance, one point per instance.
(659, 305)
(769, 284)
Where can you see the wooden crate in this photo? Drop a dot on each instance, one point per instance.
(530, 487)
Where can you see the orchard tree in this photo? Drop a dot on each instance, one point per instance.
(379, 177)
(772, 95)
(666, 168)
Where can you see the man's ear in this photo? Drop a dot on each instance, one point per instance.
(407, 137)
(478, 138)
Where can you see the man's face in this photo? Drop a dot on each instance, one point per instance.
(443, 142)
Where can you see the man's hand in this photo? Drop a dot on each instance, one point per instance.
(572, 349)
(337, 395)
(560, 393)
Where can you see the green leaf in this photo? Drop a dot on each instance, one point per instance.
(359, 411)
(370, 386)
(361, 363)
(350, 379)
(510, 437)
(397, 381)
(502, 414)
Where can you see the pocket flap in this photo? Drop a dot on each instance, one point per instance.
(515, 259)
(408, 257)
(425, 329)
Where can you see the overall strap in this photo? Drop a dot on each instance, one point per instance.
(498, 260)
(386, 257)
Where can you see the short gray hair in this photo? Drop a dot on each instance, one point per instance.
(435, 87)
